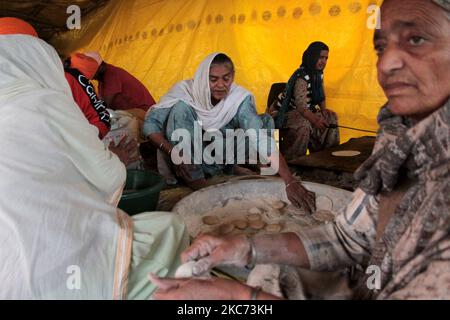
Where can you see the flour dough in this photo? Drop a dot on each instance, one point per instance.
(278, 205)
(240, 224)
(185, 271)
(275, 228)
(211, 220)
(323, 215)
(272, 214)
(257, 224)
(226, 228)
(255, 210)
(324, 203)
(254, 217)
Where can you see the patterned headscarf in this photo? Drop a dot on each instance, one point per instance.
(417, 236)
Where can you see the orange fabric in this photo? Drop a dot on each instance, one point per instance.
(86, 65)
(10, 25)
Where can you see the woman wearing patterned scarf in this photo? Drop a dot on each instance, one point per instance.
(300, 111)
(397, 225)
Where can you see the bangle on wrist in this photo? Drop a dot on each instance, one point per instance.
(163, 149)
(252, 259)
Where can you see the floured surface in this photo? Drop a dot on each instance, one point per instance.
(237, 213)
(254, 206)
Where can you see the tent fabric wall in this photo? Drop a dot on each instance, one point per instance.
(162, 42)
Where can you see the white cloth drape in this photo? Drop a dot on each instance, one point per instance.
(59, 185)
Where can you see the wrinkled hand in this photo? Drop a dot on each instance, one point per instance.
(198, 289)
(212, 251)
(300, 197)
(319, 123)
(126, 151)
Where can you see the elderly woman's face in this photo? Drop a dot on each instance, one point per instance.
(413, 48)
(220, 80)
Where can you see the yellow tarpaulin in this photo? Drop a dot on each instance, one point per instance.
(162, 42)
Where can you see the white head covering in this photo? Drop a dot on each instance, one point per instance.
(59, 186)
(197, 94)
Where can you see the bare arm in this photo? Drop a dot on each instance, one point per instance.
(236, 250)
(204, 289)
(285, 248)
(160, 141)
(296, 193)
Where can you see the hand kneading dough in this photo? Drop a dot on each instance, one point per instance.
(185, 271)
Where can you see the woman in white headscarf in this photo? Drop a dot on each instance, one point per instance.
(212, 103)
(61, 234)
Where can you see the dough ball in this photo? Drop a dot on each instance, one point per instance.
(226, 228)
(257, 224)
(275, 228)
(240, 224)
(254, 217)
(273, 214)
(324, 203)
(185, 270)
(211, 220)
(278, 205)
(323, 215)
(255, 210)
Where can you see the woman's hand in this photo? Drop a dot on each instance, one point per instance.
(127, 151)
(211, 251)
(300, 197)
(199, 289)
(319, 123)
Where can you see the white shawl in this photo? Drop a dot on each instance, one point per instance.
(197, 94)
(59, 186)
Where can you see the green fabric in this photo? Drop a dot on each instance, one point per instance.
(159, 238)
